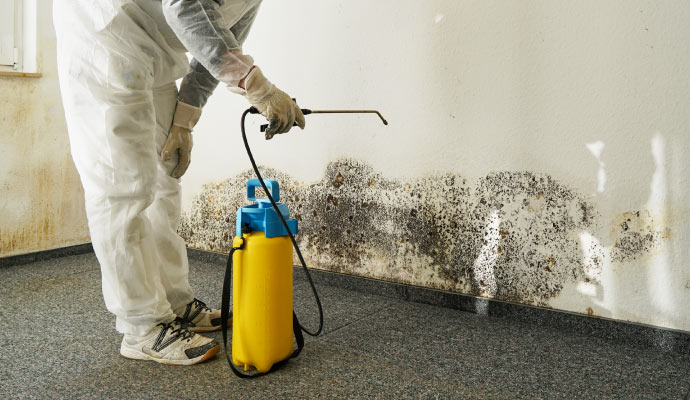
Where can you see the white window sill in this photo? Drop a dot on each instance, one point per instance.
(21, 74)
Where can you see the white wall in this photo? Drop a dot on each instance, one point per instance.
(41, 199)
(589, 97)
(592, 95)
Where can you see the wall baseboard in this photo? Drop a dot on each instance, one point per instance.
(45, 255)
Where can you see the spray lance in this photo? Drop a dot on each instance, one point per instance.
(260, 265)
(306, 111)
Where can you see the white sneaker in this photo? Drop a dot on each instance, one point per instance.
(200, 318)
(172, 344)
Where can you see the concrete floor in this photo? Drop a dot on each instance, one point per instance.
(58, 341)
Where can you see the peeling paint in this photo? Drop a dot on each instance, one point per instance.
(514, 236)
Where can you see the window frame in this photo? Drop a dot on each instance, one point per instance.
(9, 56)
(25, 51)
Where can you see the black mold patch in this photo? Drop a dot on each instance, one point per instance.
(210, 223)
(538, 219)
(636, 234)
(513, 236)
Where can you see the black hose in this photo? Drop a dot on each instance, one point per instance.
(285, 224)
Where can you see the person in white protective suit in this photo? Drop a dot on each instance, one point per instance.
(130, 136)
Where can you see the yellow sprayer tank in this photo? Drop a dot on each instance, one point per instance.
(262, 283)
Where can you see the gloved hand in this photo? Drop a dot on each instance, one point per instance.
(274, 104)
(180, 137)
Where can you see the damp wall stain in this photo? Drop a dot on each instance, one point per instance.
(41, 198)
(511, 235)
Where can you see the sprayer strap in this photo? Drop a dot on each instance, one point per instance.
(225, 316)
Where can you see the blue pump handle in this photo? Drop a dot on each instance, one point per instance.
(270, 184)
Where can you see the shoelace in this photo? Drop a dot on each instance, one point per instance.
(181, 333)
(200, 304)
(192, 311)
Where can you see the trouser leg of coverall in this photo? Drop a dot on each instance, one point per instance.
(164, 212)
(107, 78)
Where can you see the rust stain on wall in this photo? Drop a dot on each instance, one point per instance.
(511, 235)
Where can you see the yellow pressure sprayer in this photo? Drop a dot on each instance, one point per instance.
(259, 271)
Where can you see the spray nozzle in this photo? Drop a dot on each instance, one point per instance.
(306, 111)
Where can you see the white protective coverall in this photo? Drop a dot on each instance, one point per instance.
(118, 61)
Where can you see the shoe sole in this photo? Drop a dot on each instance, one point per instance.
(138, 355)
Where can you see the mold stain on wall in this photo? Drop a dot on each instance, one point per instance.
(40, 193)
(513, 236)
(636, 232)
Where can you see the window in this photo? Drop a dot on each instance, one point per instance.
(8, 49)
(18, 37)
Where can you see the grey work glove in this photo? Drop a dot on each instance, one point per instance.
(180, 137)
(274, 104)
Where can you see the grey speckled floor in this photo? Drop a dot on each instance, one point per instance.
(58, 341)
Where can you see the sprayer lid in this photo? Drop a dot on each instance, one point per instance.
(261, 216)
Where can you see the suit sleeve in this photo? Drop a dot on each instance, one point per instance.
(217, 49)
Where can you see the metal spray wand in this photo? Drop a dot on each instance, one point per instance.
(307, 111)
